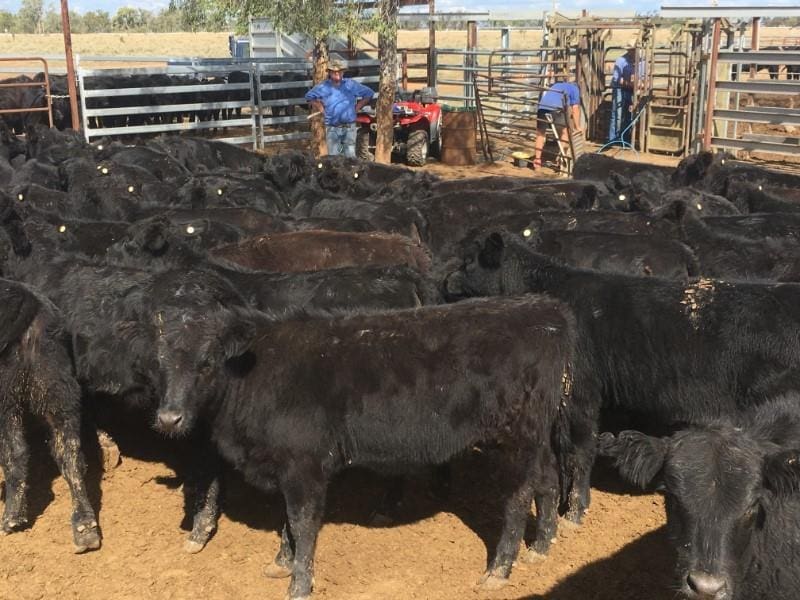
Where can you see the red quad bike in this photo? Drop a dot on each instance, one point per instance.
(417, 127)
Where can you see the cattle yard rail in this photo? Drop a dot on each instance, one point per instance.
(735, 111)
(240, 101)
(44, 84)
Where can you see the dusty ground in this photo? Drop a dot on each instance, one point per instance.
(436, 549)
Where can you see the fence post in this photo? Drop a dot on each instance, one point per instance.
(712, 85)
(470, 61)
(404, 69)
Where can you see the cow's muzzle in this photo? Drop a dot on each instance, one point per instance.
(706, 585)
(170, 421)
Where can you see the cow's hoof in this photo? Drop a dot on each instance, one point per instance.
(12, 525)
(85, 537)
(202, 532)
(276, 571)
(191, 546)
(109, 452)
(531, 556)
(490, 582)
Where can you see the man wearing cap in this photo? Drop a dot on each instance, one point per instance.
(339, 98)
(622, 94)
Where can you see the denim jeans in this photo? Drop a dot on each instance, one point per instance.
(341, 140)
(620, 114)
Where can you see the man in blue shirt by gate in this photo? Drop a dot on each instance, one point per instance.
(622, 95)
(339, 98)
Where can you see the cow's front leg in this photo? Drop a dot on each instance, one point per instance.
(517, 508)
(14, 461)
(66, 449)
(203, 493)
(284, 560)
(305, 504)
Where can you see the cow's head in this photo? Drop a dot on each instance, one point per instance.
(197, 355)
(719, 485)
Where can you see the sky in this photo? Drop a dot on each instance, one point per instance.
(535, 6)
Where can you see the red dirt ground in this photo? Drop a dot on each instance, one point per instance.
(435, 549)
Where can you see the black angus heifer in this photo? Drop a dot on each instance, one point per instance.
(643, 255)
(668, 351)
(731, 256)
(36, 378)
(111, 315)
(292, 402)
(731, 499)
(758, 225)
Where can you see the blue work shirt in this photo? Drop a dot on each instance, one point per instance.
(622, 69)
(339, 102)
(553, 98)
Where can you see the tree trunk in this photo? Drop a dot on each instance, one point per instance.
(387, 52)
(320, 73)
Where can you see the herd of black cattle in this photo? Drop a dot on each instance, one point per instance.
(35, 96)
(295, 317)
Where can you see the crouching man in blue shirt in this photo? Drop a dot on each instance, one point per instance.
(560, 102)
(339, 99)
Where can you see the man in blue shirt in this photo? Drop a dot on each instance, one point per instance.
(339, 99)
(622, 95)
(561, 101)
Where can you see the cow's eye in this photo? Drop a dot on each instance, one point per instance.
(204, 367)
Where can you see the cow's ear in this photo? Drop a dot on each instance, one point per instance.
(492, 251)
(639, 458)
(781, 472)
(237, 334)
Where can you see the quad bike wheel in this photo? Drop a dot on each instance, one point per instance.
(417, 148)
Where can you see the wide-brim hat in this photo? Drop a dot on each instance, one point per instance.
(336, 65)
(630, 43)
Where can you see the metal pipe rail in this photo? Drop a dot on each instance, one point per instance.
(45, 84)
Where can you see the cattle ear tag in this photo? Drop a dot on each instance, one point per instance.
(622, 197)
(190, 230)
(131, 188)
(20, 197)
(355, 175)
(760, 188)
(527, 233)
(219, 191)
(104, 170)
(62, 228)
(722, 162)
(319, 165)
(699, 206)
(100, 146)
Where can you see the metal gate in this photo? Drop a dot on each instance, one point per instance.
(248, 101)
(44, 84)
